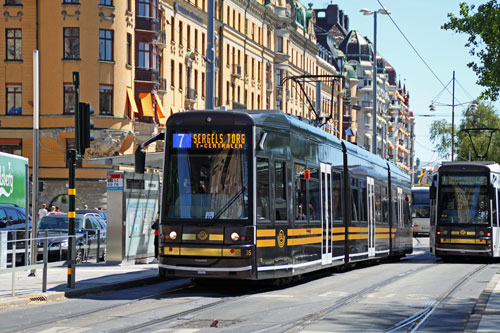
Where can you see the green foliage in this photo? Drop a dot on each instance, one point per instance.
(482, 117)
(440, 135)
(483, 27)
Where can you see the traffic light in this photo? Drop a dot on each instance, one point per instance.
(85, 125)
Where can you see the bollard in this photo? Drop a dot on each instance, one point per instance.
(3, 249)
(98, 246)
(45, 260)
(14, 264)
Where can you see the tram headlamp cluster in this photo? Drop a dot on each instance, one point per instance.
(235, 236)
(173, 235)
(445, 232)
(481, 233)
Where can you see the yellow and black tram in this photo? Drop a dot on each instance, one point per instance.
(464, 214)
(263, 195)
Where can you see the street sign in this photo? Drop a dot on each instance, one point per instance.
(114, 182)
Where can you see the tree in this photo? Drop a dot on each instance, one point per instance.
(482, 117)
(483, 27)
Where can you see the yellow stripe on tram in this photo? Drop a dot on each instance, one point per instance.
(304, 240)
(266, 242)
(266, 232)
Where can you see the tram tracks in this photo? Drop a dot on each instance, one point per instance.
(414, 322)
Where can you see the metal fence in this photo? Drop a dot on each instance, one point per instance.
(13, 250)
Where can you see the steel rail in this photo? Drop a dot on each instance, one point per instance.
(300, 323)
(414, 322)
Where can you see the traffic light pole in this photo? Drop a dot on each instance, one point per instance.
(72, 156)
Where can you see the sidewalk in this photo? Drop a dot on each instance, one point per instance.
(488, 307)
(90, 278)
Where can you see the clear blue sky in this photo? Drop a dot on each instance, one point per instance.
(443, 50)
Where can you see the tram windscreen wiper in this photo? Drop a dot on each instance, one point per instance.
(227, 205)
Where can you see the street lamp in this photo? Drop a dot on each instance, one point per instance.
(382, 11)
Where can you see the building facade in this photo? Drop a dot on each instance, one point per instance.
(142, 60)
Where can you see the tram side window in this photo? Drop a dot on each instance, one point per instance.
(314, 195)
(406, 210)
(262, 189)
(394, 206)
(337, 197)
(385, 205)
(280, 202)
(378, 203)
(354, 199)
(300, 194)
(364, 201)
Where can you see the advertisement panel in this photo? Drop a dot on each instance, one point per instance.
(13, 179)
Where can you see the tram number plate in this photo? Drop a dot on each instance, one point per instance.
(202, 272)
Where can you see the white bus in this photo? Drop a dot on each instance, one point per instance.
(420, 210)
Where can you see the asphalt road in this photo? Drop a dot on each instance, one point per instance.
(419, 291)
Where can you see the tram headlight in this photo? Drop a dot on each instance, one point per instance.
(445, 232)
(235, 236)
(481, 233)
(173, 235)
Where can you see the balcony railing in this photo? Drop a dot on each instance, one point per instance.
(147, 23)
(236, 71)
(162, 84)
(146, 74)
(366, 104)
(269, 85)
(162, 39)
(191, 95)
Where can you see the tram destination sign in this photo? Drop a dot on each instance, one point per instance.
(470, 180)
(209, 140)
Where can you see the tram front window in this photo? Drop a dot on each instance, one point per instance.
(463, 199)
(207, 175)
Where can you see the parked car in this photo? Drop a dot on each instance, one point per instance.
(89, 230)
(13, 220)
(102, 213)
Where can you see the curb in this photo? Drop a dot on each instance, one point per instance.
(22, 300)
(479, 308)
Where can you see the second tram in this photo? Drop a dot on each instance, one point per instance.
(264, 195)
(464, 214)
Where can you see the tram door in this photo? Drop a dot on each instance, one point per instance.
(371, 216)
(326, 213)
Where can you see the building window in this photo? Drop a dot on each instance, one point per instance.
(172, 73)
(71, 1)
(172, 29)
(188, 37)
(69, 99)
(129, 49)
(13, 2)
(106, 45)
(203, 50)
(144, 54)
(278, 77)
(14, 99)
(71, 43)
(180, 33)
(196, 80)
(279, 44)
(144, 8)
(13, 40)
(11, 146)
(202, 84)
(180, 76)
(106, 100)
(278, 104)
(106, 2)
(196, 39)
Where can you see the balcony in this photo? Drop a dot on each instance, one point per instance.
(269, 85)
(191, 95)
(366, 104)
(146, 74)
(347, 119)
(162, 85)
(161, 40)
(147, 24)
(236, 71)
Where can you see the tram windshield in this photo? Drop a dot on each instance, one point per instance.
(207, 175)
(463, 199)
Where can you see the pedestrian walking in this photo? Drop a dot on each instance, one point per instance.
(42, 211)
(155, 225)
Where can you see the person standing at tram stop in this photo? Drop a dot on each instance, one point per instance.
(42, 211)
(155, 225)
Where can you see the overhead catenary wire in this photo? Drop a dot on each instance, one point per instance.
(418, 53)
